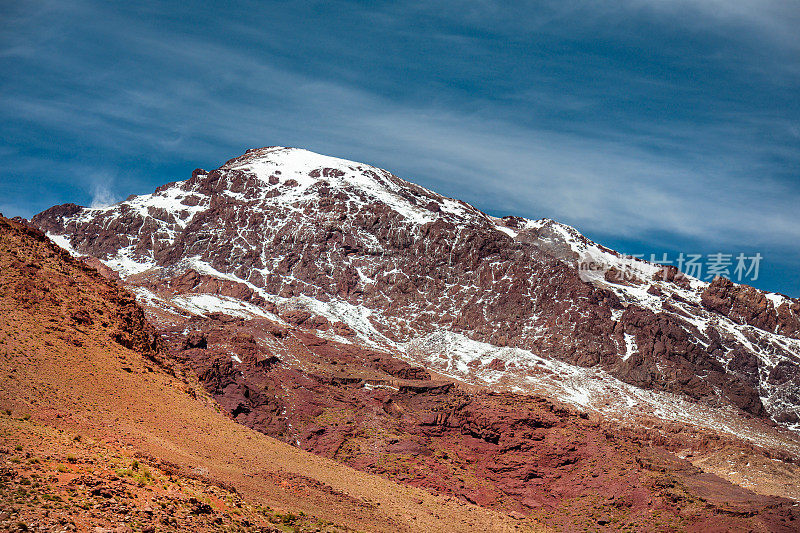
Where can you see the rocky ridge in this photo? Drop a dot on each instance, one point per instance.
(106, 438)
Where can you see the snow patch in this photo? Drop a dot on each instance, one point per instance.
(205, 304)
(126, 265)
(63, 242)
(630, 346)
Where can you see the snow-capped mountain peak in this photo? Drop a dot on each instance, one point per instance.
(281, 229)
(289, 175)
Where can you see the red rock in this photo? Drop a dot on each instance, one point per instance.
(296, 317)
(497, 364)
(340, 328)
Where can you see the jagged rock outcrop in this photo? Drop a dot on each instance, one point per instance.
(747, 305)
(663, 341)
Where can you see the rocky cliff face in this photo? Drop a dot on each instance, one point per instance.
(370, 259)
(746, 305)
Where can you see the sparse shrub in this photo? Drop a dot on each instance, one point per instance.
(289, 519)
(144, 477)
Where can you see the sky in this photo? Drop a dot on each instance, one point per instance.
(652, 126)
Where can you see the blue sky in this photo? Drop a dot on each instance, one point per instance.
(650, 125)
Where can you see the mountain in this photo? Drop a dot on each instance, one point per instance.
(341, 309)
(409, 270)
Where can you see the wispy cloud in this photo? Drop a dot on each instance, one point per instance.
(772, 19)
(570, 112)
(102, 196)
(612, 185)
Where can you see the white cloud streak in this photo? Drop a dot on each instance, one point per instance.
(603, 181)
(102, 195)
